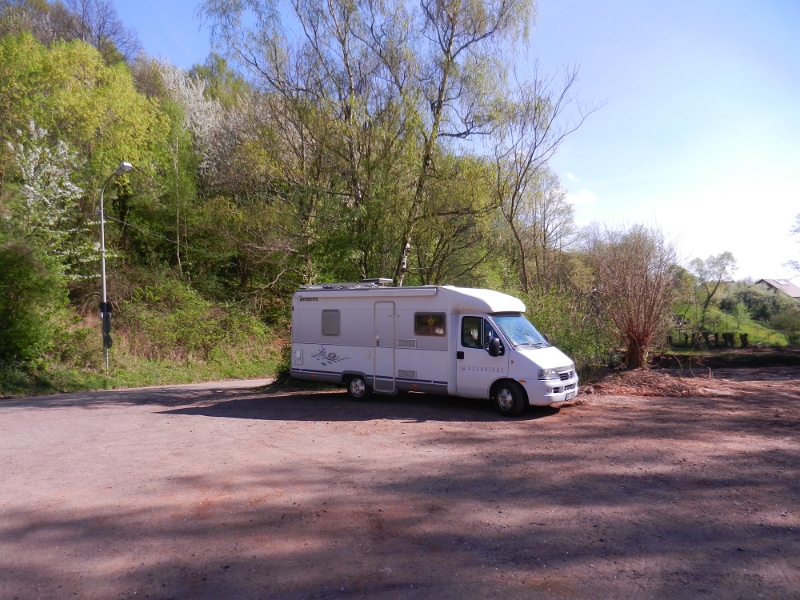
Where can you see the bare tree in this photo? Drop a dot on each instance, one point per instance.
(635, 269)
(96, 22)
(19, 15)
(528, 135)
(546, 222)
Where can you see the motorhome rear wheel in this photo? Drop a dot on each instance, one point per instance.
(358, 389)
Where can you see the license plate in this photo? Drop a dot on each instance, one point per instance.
(570, 395)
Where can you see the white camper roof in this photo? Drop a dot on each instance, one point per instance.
(459, 299)
(482, 300)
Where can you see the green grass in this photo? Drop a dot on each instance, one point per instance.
(758, 333)
(42, 377)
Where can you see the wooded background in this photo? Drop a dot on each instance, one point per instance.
(319, 142)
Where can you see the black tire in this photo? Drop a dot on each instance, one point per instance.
(509, 398)
(358, 389)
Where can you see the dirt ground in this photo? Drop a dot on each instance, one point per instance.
(234, 491)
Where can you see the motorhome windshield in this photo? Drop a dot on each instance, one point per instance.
(520, 331)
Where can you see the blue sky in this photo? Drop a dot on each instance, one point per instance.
(699, 130)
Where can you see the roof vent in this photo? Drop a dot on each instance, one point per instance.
(379, 281)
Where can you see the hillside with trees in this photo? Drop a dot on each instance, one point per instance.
(339, 142)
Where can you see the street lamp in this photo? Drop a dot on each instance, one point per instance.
(105, 306)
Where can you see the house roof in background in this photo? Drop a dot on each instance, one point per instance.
(782, 285)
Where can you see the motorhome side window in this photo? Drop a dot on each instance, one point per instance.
(330, 322)
(476, 333)
(429, 323)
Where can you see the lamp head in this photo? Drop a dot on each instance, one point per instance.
(123, 167)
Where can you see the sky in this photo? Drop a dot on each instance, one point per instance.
(698, 123)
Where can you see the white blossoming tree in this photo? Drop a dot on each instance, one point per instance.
(48, 213)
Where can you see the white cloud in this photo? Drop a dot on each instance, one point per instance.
(582, 198)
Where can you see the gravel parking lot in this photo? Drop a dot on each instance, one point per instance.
(230, 490)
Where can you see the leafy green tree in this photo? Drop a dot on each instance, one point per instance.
(740, 314)
(30, 293)
(455, 237)
(453, 60)
(710, 275)
(362, 99)
(761, 303)
(335, 145)
(572, 320)
(70, 92)
(788, 322)
(223, 84)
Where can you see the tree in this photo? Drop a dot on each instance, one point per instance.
(453, 64)
(710, 274)
(26, 15)
(93, 22)
(795, 231)
(92, 110)
(740, 314)
(29, 294)
(222, 83)
(542, 225)
(336, 137)
(788, 322)
(635, 269)
(69, 91)
(96, 22)
(761, 303)
(48, 214)
(530, 199)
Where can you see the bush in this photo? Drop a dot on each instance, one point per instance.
(30, 294)
(788, 323)
(570, 322)
(171, 321)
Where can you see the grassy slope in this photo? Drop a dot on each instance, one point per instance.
(165, 333)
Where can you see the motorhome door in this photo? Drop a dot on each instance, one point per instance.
(384, 347)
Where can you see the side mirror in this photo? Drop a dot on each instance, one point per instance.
(496, 347)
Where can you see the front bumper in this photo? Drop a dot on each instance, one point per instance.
(551, 391)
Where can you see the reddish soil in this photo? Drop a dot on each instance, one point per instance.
(230, 491)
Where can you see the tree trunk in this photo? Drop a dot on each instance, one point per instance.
(636, 353)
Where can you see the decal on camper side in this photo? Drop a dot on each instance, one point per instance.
(327, 358)
(500, 370)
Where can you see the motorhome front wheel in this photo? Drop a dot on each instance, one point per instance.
(509, 398)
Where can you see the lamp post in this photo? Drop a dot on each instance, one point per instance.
(105, 308)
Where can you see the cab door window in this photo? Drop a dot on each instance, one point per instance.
(476, 332)
(488, 334)
(472, 332)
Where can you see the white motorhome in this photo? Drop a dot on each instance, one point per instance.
(439, 339)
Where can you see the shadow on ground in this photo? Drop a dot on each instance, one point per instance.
(262, 400)
(337, 406)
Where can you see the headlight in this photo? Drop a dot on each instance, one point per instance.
(548, 374)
